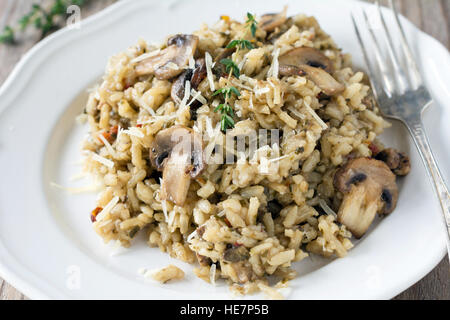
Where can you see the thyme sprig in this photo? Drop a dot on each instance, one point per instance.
(227, 92)
(251, 23)
(226, 120)
(231, 67)
(225, 109)
(240, 43)
(44, 19)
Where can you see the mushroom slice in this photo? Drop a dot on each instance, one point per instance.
(271, 21)
(195, 76)
(369, 187)
(323, 80)
(199, 73)
(314, 65)
(307, 56)
(169, 63)
(178, 153)
(397, 161)
(179, 86)
(176, 181)
(287, 70)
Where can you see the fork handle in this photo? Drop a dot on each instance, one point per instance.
(417, 130)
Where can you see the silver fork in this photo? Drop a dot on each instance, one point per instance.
(402, 96)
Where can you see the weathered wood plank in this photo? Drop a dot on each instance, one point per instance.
(434, 21)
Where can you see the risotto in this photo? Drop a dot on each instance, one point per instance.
(243, 147)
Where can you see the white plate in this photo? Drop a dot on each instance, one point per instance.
(47, 246)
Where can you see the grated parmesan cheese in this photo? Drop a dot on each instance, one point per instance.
(212, 274)
(107, 209)
(172, 66)
(108, 146)
(85, 189)
(296, 113)
(119, 132)
(191, 62)
(221, 213)
(78, 176)
(279, 158)
(102, 160)
(273, 70)
(191, 236)
(146, 107)
(171, 218)
(208, 61)
(134, 131)
(163, 203)
(252, 81)
(262, 90)
(251, 101)
(187, 94)
(198, 95)
(326, 208)
(315, 116)
(242, 63)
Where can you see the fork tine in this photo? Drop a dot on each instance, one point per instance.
(415, 77)
(377, 89)
(399, 74)
(388, 84)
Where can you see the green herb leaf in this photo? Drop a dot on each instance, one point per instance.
(233, 44)
(252, 23)
(240, 43)
(7, 36)
(231, 66)
(227, 92)
(235, 91)
(226, 120)
(219, 107)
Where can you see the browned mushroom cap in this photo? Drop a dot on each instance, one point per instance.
(397, 161)
(271, 21)
(287, 70)
(178, 87)
(323, 80)
(169, 63)
(178, 153)
(307, 56)
(369, 187)
(195, 76)
(314, 65)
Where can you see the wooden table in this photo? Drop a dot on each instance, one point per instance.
(432, 16)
